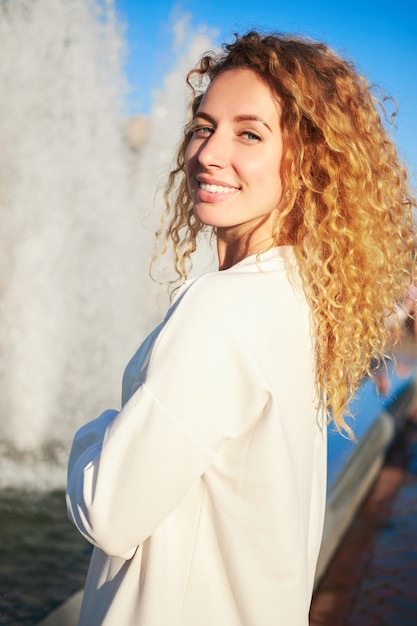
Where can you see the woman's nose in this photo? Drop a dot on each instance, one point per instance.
(214, 151)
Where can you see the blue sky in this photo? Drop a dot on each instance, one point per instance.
(380, 37)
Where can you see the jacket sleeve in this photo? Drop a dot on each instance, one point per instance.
(127, 472)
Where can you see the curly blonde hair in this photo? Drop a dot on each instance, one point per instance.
(346, 206)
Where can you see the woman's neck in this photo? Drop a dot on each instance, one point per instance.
(230, 253)
(237, 242)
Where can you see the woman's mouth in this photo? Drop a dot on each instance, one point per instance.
(220, 189)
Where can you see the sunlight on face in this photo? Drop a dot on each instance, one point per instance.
(234, 155)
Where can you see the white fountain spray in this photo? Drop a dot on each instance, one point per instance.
(75, 297)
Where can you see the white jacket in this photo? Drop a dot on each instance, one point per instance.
(205, 494)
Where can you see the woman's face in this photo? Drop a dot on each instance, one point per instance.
(234, 155)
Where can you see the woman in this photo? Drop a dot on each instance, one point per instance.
(205, 494)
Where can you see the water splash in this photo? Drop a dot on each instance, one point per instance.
(75, 297)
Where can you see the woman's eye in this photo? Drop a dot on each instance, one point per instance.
(251, 136)
(202, 131)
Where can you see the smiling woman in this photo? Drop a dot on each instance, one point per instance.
(205, 494)
(233, 164)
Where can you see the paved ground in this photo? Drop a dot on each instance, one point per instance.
(372, 580)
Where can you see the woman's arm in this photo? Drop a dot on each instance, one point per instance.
(128, 472)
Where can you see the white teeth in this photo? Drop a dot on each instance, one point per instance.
(217, 188)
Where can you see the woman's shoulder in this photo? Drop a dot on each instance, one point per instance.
(215, 290)
(257, 272)
(239, 298)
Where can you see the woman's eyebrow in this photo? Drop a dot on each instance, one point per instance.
(205, 116)
(244, 117)
(247, 117)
